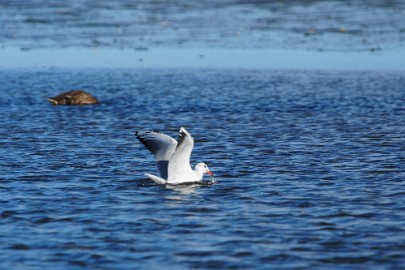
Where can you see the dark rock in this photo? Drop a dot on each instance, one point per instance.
(74, 97)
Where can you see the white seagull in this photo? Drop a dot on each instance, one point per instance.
(172, 158)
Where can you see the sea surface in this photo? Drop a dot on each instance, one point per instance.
(298, 108)
(309, 169)
(360, 25)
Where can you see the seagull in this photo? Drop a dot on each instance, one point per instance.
(173, 158)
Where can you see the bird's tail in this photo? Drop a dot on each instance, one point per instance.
(156, 179)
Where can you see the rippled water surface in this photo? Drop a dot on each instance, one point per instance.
(310, 24)
(309, 169)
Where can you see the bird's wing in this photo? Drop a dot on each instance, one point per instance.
(161, 146)
(179, 164)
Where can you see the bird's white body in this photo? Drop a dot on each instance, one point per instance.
(173, 158)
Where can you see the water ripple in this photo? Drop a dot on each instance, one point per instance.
(309, 171)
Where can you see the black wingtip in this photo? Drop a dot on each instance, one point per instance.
(182, 136)
(141, 139)
(140, 136)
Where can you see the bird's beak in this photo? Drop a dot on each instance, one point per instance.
(210, 173)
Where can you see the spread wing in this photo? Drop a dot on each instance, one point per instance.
(179, 166)
(161, 146)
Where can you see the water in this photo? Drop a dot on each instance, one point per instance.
(207, 58)
(309, 168)
(311, 24)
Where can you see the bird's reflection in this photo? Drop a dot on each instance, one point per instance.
(186, 189)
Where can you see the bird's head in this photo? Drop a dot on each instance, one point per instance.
(202, 167)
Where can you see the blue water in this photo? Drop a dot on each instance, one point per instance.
(362, 25)
(309, 168)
